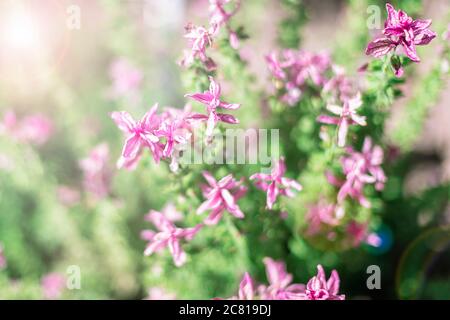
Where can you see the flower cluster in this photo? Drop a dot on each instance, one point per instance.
(360, 168)
(281, 287)
(200, 38)
(293, 69)
(35, 129)
(163, 133)
(401, 30)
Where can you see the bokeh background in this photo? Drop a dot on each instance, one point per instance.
(57, 86)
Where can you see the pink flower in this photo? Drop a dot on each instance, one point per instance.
(169, 211)
(360, 168)
(294, 68)
(168, 235)
(220, 17)
(221, 195)
(339, 84)
(346, 116)
(275, 183)
(156, 293)
(246, 289)
(318, 288)
(34, 129)
(280, 282)
(211, 99)
(358, 233)
(322, 214)
(126, 78)
(139, 134)
(200, 39)
(401, 30)
(96, 172)
(218, 13)
(52, 285)
(3, 262)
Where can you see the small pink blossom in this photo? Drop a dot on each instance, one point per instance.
(322, 214)
(126, 78)
(140, 134)
(52, 285)
(401, 30)
(169, 211)
(199, 39)
(220, 196)
(35, 129)
(156, 293)
(96, 171)
(319, 288)
(246, 289)
(280, 282)
(275, 183)
(339, 84)
(360, 168)
(347, 115)
(358, 233)
(294, 68)
(168, 235)
(221, 16)
(211, 99)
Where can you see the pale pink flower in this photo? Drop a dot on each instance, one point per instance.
(199, 39)
(280, 282)
(322, 214)
(53, 285)
(358, 233)
(339, 84)
(275, 183)
(246, 289)
(362, 168)
(295, 68)
(126, 78)
(96, 171)
(211, 99)
(221, 16)
(34, 129)
(140, 134)
(169, 211)
(168, 235)
(347, 115)
(68, 196)
(220, 196)
(401, 30)
(3, 262)
(156, 293)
